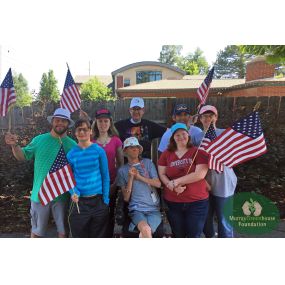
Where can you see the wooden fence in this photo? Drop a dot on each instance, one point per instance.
(159, 109)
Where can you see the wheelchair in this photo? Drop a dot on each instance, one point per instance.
(122, 222)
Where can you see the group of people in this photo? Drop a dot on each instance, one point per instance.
(109, 157)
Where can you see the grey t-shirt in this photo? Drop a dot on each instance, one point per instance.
(143, 197)
(223, 184)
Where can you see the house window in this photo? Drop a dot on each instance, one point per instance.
(147, 76)
(127, 82)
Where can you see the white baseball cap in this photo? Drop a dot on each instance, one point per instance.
(137, 102)
(63, 114)
(132, 141)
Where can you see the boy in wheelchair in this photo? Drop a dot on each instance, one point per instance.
(138, 179)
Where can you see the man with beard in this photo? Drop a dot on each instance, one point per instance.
(43, 149)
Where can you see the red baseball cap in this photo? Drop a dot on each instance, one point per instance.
(101, 113)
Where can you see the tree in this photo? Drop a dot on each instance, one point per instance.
(170, 54)
(194, 63)
(24, 97)
(231, 62)
(48, 90)
(95, 90)
(274, 54)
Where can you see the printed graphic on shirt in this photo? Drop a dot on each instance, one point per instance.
(140, 132)
(181, 162)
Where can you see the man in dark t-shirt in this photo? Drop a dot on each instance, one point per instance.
(144, 130)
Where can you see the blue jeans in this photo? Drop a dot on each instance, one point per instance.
(216, 206)
(187, 219)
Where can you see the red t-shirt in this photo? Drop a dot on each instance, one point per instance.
(178, 167)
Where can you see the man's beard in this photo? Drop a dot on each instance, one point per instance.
(60, 132)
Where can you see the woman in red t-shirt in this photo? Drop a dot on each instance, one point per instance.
(185, 192)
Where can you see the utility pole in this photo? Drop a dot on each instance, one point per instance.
(89, 67)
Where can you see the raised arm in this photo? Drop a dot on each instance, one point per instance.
(12, 140)
(127, 190)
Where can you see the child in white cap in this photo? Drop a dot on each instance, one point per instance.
(138, 179)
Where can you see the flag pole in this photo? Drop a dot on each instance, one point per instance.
(77, 207)
(257, 105)
(198, 150)
(10, 118)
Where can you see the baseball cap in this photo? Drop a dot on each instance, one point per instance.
(103, 113)
(137, 102)
(180, 108)
(132, 141)
(63, 114)
(208, 108)
(178, 126)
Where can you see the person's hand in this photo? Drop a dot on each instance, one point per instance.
(171, 185)
(245, 208)
(138, 176)
(208, 186)
(179, 189)
(194, 119)
(258, 209)
(133, 172)
(11, 139)
(75, 198)
(113, 188)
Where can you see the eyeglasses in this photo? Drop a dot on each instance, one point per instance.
(136, 109)
(207, 116)
(84, 130)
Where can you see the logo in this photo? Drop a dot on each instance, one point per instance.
(251, 213)
(252, 208)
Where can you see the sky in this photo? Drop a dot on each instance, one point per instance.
(36, 36)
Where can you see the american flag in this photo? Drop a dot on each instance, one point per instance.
(59, 180)
(7, 94)
(208, 138)
(204, 88)
(241, 142)
(70, 98)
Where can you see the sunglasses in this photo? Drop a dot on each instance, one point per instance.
(84, 130)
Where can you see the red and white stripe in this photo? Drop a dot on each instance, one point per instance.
(232, 148)
(55, 184)
(7, 98)
(70, 98)
(202, 92)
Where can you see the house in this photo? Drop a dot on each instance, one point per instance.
(259, 81)
(145, 71)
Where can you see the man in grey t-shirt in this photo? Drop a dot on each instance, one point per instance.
(181, 114)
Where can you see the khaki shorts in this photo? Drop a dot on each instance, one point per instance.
(40, 215)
